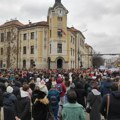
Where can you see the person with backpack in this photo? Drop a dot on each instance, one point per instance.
(60, 86)
(93, 102)
(54, 98)
(111, 104)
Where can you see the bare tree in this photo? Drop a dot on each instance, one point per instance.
(11, 47)
(97, 60)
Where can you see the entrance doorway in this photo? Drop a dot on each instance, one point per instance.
(59, 63)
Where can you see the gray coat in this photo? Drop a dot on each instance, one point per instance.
(94, 99)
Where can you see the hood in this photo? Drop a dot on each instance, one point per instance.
(44, 100)
(96, 92)
(116, 94)
(6, 95)
(59, 80)
(24, 93)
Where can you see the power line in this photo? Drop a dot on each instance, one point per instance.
(101, 54)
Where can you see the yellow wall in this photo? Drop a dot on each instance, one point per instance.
(40, 46)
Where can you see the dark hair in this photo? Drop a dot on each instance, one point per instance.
(67, 83)
(114, 87)
(72, 97)
(25, 87)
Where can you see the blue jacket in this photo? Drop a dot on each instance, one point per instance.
(54, 92)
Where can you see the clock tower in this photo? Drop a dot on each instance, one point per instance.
(57, 19)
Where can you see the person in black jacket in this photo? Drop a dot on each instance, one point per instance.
(114, 112)
(23, 104)
(40, 106)
(9, 100)
(80, 91)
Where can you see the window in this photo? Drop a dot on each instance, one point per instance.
(32, 50)
(8, 36)
(32, 35)
(59, 32)
(59, 48)
(24, 50)
(50, 48)
(25, 36)
(32, 63)
(2, 37)
(24, 63)
(71, 51)
(1, 51)
(71, 39)
(59, 18)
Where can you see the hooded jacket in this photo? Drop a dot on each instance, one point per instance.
(40, 106)
(114, 112)
(9, 106)
(23, 109)
(80, 94)
(94, 100)
(60, 81)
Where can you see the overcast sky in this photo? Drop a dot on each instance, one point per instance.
(99, 20)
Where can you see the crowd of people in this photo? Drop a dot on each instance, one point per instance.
(59, 94)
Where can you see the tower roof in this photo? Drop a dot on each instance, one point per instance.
(58, 3)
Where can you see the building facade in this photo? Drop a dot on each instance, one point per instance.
(47, 44)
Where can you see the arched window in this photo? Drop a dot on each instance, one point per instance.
(24, 63)
(32, 63)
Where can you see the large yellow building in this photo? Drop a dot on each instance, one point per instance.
(45, 44)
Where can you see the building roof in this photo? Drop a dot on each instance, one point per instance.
(42, 23)
(58, 3)
(76, 31)
(12, 22)
(88, 46)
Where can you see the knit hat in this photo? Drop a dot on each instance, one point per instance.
(9, 89)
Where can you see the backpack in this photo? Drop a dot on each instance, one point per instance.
(53, 100)
(59, 88)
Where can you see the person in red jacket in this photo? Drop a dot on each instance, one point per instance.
(62, 90)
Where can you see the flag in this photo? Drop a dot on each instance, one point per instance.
(63, 32)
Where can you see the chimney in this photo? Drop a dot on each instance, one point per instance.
(30, 22)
